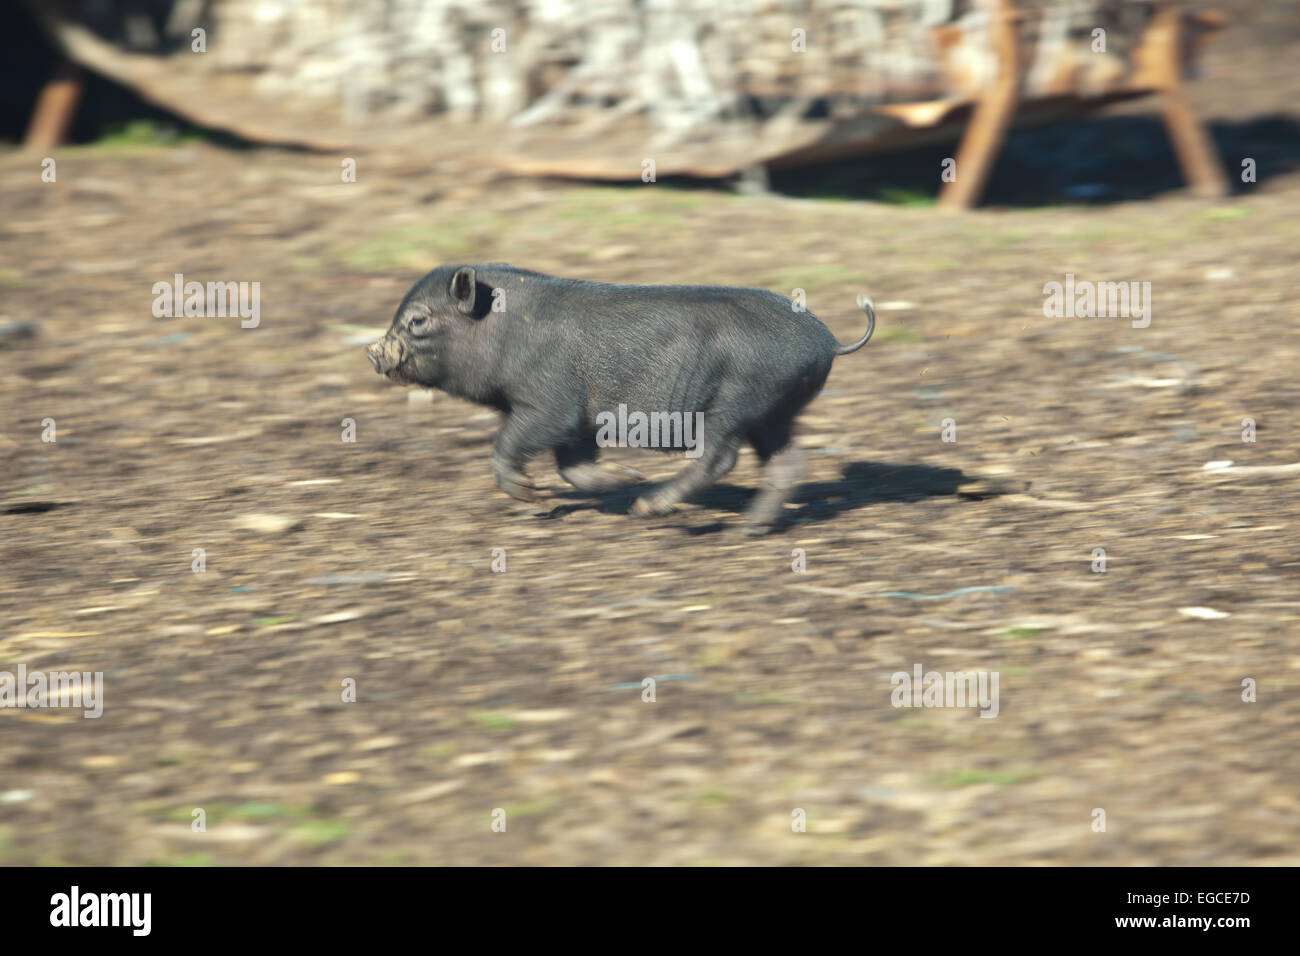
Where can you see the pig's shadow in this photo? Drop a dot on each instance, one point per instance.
(861, 483)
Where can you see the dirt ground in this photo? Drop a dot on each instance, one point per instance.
(371, 561)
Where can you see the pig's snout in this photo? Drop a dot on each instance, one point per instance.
(385, 354)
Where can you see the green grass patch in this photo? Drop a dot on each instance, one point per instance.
(493, 720)
(916, 723)
(938, 265)
(898, 196)
(712, 798)
(413, 247)
(609, 213)
(1227, 212)
(267, 811)
(897, 335)
(320, 833)
(273, 621)
(746, 697)
(967, 778)
(196, 858)
(215, 813)
(1019, 632)
(1011, 237)
(139, 134)
(529, 808)
(810, 276)
(709, 657)
(33, 490)
(630, 204)
(440, 751)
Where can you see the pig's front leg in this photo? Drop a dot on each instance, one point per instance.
(521, 436)
(578, 466)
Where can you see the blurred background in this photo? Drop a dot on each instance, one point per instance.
(205, 527)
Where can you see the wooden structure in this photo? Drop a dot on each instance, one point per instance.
(1161, 61)
(703, 87)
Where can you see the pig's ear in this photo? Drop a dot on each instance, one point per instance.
(464, 289)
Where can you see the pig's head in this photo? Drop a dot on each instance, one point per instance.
(434, 321)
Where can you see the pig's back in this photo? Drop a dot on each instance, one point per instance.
(685, 348)
(741, 322)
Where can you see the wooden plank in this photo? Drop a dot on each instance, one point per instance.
(993, 116)
(1192, 145)
(56, 108)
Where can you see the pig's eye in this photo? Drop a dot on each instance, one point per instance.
(418, 323)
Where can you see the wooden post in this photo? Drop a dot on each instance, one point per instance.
(1192, 145)
(992, 117)
(56, 106)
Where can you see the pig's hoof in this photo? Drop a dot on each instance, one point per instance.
(517, 486)
(621, 475)
(653, 506)
(594, 478)
(754, 530)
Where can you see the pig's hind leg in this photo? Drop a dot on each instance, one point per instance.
(717, 460)
(578, 466)
(784, 463)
